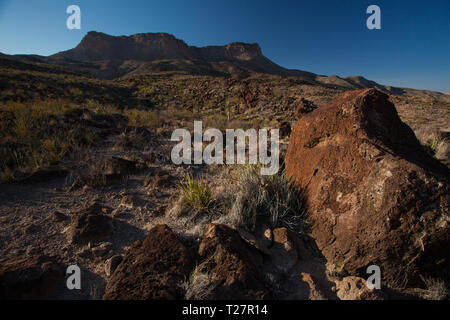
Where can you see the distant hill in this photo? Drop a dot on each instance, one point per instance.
(112, 57)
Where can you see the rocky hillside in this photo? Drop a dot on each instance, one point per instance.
(86, 178)
(112, 57)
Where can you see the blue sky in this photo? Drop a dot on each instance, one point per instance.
(323, 36)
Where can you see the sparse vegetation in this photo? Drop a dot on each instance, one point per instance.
(431, 147)
(196, 193)
(200, 285)
(436, 289)
(141, 118)
(266, 199)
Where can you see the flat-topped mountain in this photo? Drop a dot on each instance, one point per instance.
(162, 52)
(112, 57)
(97, 46)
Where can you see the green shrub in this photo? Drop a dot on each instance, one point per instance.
(196, 193)
(271, 200)
(141, 118)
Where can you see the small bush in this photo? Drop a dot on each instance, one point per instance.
(431, 147)
(141, 118)
(269, 199)
(436, 289)
(200, 285)
(196, 193)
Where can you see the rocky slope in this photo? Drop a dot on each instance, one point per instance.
(112, 57)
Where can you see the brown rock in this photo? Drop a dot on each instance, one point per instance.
(112, 263)
(313, 288)
(87, 226)
(281, 244)
(151, 269)
(234, 264)
(118, 166)
(28, 278)
(374, 195)
(285, 129)
(355, 288)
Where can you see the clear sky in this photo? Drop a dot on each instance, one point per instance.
(328, 37)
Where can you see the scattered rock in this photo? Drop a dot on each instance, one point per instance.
(31, 229)
(158, 179)
(283, 249)
(151, 269)
(285, 129)
(355, 288)
(101, 250)
(118, 166)
(87, 225)
(112, 263)
(85, 252)
(28, 278)
(131, 201)
(233, 264)
(313, 288)
(59, 216)
(374, 196)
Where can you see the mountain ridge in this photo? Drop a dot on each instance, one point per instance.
(111, 57)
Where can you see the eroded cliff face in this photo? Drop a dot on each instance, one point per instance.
(97, 46)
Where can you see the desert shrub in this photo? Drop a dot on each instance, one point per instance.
(200, 285)
(217, 120)
(196, 193)
(35, 135)
(75, 92)
(430, 147)
(436, 289)
(266, 199)
(145, 91)
(6, 175)
(141, 118)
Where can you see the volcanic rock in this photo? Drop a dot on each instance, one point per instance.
(374, 195)
(89, 226)
(233, 263)
(151, 269)
(28, 278)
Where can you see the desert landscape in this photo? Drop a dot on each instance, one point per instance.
(87, 178)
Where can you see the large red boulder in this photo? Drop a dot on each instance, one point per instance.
(374, 196)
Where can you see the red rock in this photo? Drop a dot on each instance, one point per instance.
(29, 278)
(355, 288)
(151, 269)
(374, 196)
(234, 264)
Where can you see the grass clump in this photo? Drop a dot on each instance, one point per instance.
(430, 147)
(272, 200)
(142, 118)
(436, 289)
(196, 193)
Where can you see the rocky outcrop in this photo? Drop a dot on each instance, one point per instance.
(29, 278)
(119, 55)
(233, 264)
(374, 195)
(89, 225)
(355, 288)
(151, 269)
(97, 46)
